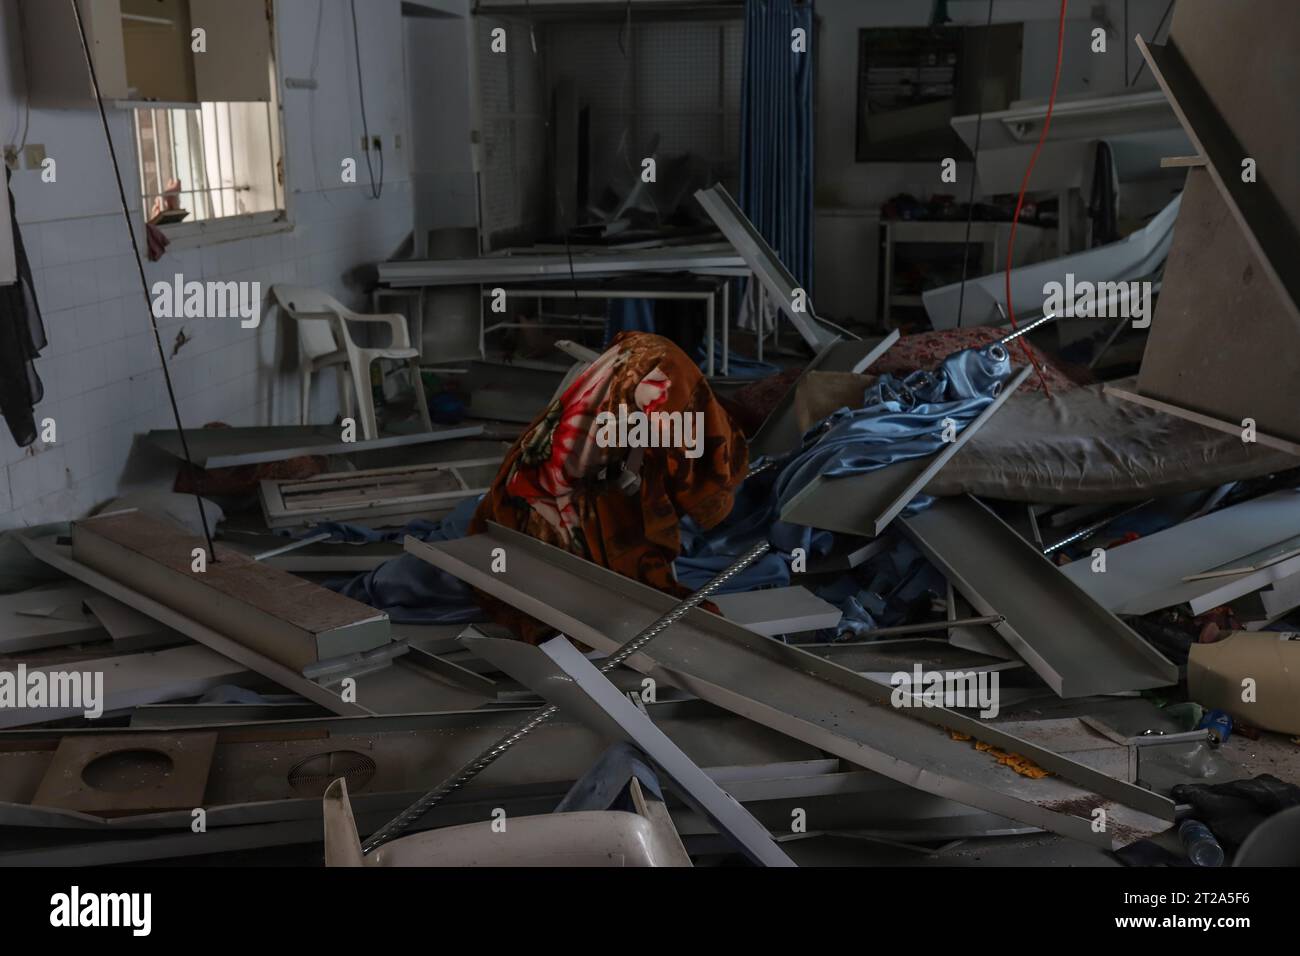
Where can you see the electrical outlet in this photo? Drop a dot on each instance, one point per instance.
(34, 155)
(377, 142)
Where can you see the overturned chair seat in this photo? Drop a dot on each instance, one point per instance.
(585, 838)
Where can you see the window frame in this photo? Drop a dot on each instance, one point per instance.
(193, 235)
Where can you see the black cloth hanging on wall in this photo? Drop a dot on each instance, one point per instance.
(1103, 205)
(22, 336)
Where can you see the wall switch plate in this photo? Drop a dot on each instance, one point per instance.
(34, 155)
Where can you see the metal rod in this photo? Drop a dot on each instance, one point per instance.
(911, 629)
(294, 545)
(144, 164)
(1041, 320)
(209, 121)
(1093, 528)
(157, 151)
(139, 268)
(1161, 739)
(408, 817)
(230, 157)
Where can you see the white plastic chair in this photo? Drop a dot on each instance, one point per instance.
(323, 340)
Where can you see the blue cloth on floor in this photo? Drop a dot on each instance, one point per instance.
(606, 785)
(705, 553)
(420, 528)
(887, 589)
(454, 524)
(847, 594)
(412, 591)
(771, 570)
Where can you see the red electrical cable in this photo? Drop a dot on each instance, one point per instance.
(1024, 187)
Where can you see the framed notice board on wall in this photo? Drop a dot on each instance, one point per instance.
(913, 80)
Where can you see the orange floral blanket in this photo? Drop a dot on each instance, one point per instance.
(559, 481)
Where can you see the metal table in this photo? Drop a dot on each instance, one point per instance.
(702, 288)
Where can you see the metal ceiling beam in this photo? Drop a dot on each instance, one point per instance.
(865, 504)
(526, 267)
(1151, 573)
(233, 447)
(797, 693)
(398, 688)
(558, 672)
(1072, 642)
(763, 262)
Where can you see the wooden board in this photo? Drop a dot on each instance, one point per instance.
(1221, 342)
(286, 618)
(1243, 58)
(234, 68)
(60, 557)
(129, 773)
(1218, 126)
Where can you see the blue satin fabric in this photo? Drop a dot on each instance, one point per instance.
(412, 591)
(899, 419)
(705, 553)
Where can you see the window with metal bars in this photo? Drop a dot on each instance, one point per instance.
(213, 161)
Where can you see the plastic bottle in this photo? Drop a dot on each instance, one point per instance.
(1218, 723)
(1202, 849)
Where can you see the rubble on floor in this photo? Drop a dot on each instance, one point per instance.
(929, 593)
(984, 685)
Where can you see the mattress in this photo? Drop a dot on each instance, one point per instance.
(1083, 445)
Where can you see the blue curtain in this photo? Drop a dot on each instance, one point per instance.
(776, 131)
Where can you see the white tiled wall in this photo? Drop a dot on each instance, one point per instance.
(103, 382)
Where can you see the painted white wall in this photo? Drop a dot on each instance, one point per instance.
(843, 183)
(103, 384)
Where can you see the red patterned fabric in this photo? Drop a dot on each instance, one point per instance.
(558, 482)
